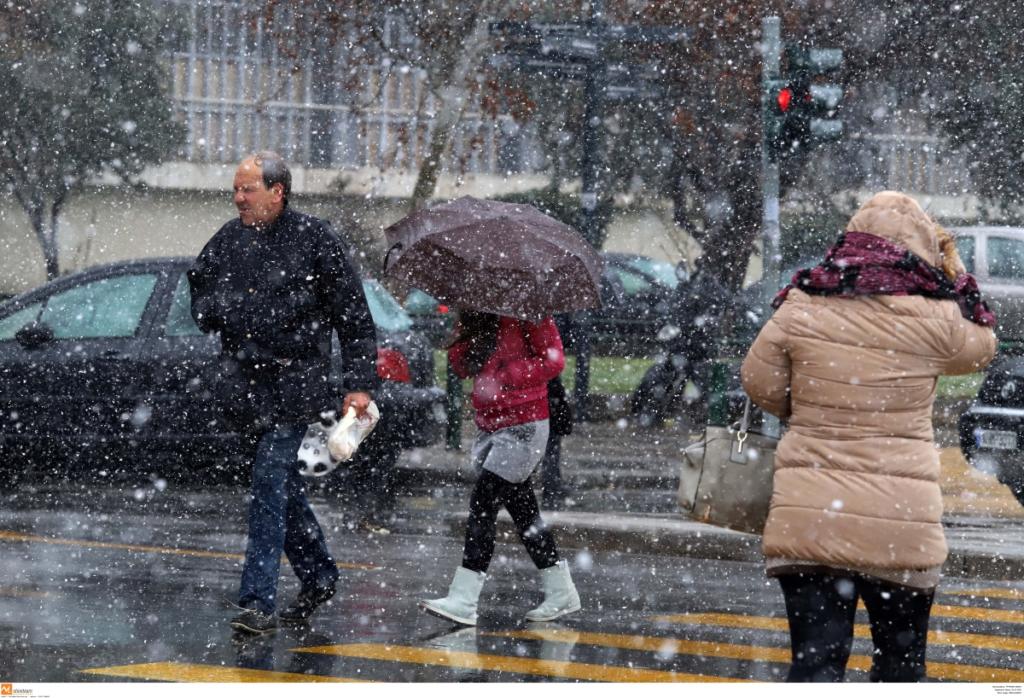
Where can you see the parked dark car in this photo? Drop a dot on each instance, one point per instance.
(992, 428)
(101, 372)
(635, 294)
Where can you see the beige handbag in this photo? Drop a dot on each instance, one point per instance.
(726, 477)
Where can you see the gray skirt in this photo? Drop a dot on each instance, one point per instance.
(512, 453)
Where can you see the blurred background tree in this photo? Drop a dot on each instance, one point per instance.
(907, 67)
(960, 67)
(83, 94)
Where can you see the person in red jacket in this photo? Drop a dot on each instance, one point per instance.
(511, 362)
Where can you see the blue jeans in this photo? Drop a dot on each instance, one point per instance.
(281, 520)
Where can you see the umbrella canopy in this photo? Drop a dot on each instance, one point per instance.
(507, 259)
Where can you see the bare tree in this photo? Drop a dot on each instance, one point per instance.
(447, 40)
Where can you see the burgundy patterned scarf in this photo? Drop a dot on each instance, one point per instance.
(861, 264)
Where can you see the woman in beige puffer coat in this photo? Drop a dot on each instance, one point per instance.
(850, 361)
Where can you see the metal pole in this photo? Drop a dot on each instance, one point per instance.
(770, 246)
(718, 402)
(591, 190)
(453, 432)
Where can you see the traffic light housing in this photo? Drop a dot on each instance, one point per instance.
(801, 105)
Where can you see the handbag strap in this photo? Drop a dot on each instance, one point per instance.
(743, 426)
(745, 421)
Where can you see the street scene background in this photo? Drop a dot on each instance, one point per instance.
(656, 131)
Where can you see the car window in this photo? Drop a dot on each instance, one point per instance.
(180, 322)
(663, 272)
(420, 303)
(1005, 258)
(633, 283)
(965, 246)
(10, 325)
(387, 314)
(110, 307)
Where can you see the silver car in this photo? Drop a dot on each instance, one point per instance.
(995, 255)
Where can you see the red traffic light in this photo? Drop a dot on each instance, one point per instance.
(784, 99)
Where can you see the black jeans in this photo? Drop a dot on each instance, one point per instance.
(821, 610)
(491, 493)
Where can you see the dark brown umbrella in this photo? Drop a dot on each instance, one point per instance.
(507, 259)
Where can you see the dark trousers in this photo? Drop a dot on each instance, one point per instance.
(821, 610)
(281, 520)
(490, 493)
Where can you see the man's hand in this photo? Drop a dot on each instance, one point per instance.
(360, 401)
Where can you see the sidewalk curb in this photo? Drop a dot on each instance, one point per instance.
(646, 535)
(416, 475)
(634, 534)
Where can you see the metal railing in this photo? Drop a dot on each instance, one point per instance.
(918, 163)
(236, 92)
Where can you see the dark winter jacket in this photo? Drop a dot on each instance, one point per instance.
(275, 296)
(512, 386)
(697, 310)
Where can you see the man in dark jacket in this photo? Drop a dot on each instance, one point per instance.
(276, 284)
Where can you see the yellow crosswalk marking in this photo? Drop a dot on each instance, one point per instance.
(204, 673)
(516, 665)
(22, 592)
(935, 637)
(994, 592)
(659, 645)
(664, 645)
(28, 538)
(992, 615)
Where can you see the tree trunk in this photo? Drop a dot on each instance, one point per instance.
(50, 250)
(454, 97)
(46, 234)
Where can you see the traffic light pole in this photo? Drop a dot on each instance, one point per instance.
(590, 193)
(771, 41)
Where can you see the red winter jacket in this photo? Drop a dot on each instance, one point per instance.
(511, 388)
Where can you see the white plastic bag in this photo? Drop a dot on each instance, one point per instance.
(330, 441)
(347, 434)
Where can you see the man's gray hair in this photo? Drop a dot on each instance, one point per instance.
(275, 171)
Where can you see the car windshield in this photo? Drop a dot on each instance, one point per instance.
(387, 314)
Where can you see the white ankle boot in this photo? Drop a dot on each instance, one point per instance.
(463, 594)
(560, 596)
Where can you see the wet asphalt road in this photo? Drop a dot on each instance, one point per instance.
(134, 583)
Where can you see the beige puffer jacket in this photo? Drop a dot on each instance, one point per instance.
(856, 473)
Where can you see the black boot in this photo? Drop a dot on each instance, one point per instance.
(306, 603)
(254, 622)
